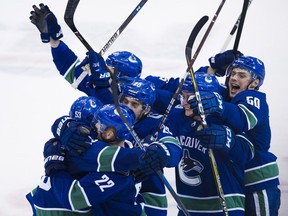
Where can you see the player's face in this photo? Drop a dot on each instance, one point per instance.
(239, 80)
(135, 105)
(184, 102)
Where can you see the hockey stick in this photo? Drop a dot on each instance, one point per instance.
(69, 19)
(69, 14)
(192, 37)
(140, 144)
(204, 123)
(232, 32)
(241, 24)
(190, 63)
(190, 43)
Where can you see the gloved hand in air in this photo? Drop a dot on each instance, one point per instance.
(218, 137)
(100, 75)
(46, 22)
(54, 156)
(212, 103)
(73, 135)
(221, 61)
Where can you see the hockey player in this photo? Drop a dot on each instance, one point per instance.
(80, 116)
(194, 175)
(69, 65)
(98, 186)
(71, 68)
(102, 158)
(245, 109)
(138, 95)
(97, 85)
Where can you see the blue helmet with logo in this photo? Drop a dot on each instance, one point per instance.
(108, 116)
(140, 89)
(254, 65)
(205, 82)
(84, 107)
(127, 64)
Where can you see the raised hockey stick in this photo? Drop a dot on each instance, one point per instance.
(241, 24)
(197, 28)
(204, 123)
(232, 32)
(69, 14)
(210, 151)
(190, 63)
(69, 19)
(140, 144)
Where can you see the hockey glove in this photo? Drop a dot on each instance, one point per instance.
(212, 103)
(221, 61)
(216, 137)
(46, 22)
(99, 73)
(155, 158)
(72, 134)
(54, 156)
(142, 175)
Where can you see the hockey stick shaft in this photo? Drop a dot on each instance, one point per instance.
(241, 24)
(190, 42)
(232, 32)
(204, 123)
(210, 151)
(69, 19)
(205, 36)
(140, 144)
(69, 14)
(190, 64)
(122, 27)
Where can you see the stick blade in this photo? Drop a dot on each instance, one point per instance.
(69, 14)
(197, 28)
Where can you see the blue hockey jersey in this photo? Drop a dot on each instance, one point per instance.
(67, 64)
(194, 177)
(248, 112)
(62, 194)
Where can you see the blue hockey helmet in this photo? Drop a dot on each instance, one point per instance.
(84, 107)
(108, 116)
(127, 64)
(140, 89)
(254, 65)
(205, 82)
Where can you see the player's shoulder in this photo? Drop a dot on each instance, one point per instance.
(250, 96)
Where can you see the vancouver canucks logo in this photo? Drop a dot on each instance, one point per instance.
(186, 165)
(92, 103)
(208, 79)
(132, 59)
